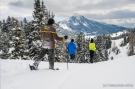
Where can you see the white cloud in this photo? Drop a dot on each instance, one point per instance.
(121, 22)
(96, 9)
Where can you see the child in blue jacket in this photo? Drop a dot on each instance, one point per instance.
(72, 49)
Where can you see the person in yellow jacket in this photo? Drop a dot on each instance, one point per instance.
(92, 50)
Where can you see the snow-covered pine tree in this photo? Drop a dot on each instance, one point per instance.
(4, 45)
(41, 16)
(6, 26)
(81, 47)
(38, 13)
(124, 36)
(99, 47)
(0, 25)
(131, 37)
(108, 42)
(102, 46)
(9, 23)
(32, 34)
(80, 40)
(46, 14)
(24, 23)
(17, 41)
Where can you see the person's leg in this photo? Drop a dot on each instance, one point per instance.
(39, 58)
(51, 58)
(73, 58)
(36, 63)
(91, 56)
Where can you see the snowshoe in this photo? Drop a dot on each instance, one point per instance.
(54, 68)
(32, 67)
(57, 69)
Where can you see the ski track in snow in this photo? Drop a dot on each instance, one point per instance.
(79, 76)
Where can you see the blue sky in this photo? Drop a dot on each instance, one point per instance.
(120, 12)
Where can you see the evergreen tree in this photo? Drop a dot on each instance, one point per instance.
(4, 45)
(17, 41)
(131, 37)
(108, 42)
(81, 46)
(18, 45)
(5, 38)
(4, 26)
(0, 24)
(81, 41)
(102, 46)
(40, 15)
(34, 26)
(45, 13)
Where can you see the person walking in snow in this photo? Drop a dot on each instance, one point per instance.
(92, 49)
(48, 37)
(72, 49)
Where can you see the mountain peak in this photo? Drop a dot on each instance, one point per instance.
(78, 17)
(82, 24)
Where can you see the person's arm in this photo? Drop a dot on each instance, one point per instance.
(75, 48)
(56, 37)
(95, 46)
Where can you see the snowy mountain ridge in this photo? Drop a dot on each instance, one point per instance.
(82, 24)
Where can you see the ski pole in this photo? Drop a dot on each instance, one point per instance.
(67, 61)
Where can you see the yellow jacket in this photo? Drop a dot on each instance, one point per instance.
(92, 46)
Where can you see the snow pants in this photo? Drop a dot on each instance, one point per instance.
(91, 56)
(72, 57)
(40, 57)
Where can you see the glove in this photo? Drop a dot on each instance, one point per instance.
(65, 37)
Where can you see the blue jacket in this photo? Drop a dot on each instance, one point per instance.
(71, 48)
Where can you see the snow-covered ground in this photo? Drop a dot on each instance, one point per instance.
(118, 33)
(113, 74)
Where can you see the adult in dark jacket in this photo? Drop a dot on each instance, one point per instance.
(72, 49)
